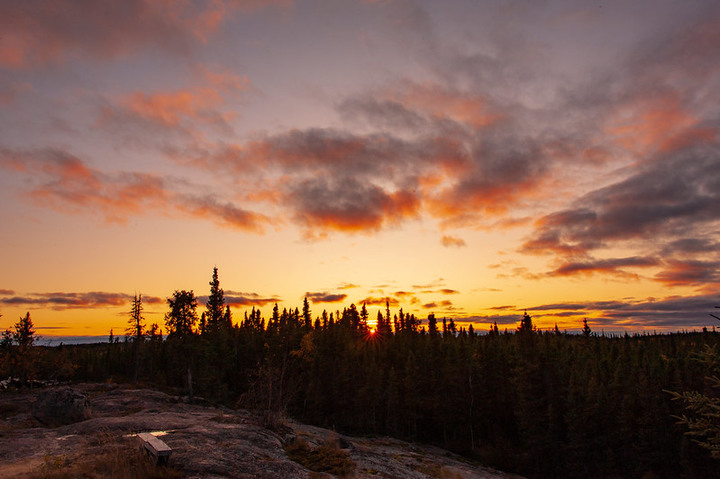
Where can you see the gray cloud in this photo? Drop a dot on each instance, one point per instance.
(690, 273)
(679, 312)
(240, 299)
(501, 319)
(668, 209)
(65, 182)
(89, 300)
(452, 242)
(349, 205)
(325, 297)
(607, 266)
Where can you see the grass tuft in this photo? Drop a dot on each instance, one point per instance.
(113, 457)
(326, 458)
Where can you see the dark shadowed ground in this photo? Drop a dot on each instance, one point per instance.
(207, 442)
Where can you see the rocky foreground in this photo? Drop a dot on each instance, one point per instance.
(36, 441)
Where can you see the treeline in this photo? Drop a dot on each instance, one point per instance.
(543, 404)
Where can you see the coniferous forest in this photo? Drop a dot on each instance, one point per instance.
(542, 404)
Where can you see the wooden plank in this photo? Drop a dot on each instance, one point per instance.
(155, 447)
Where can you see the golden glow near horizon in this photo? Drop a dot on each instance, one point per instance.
(404, 152)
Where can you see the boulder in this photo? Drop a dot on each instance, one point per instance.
(58, 407)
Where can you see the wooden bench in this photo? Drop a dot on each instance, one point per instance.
(155, 447)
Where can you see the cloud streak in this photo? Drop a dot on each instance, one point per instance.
(42, 32)
(452, 242)
(66, 183)
(583, 149)
(673, 312)
(325, 297)
(673, 200)
(62, 301)
(240, 299)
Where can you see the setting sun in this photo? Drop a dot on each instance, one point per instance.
(387, 238)
(408, 154)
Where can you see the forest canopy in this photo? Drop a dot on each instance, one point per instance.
(543, 404)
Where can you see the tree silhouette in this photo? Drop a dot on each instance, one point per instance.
(215, 315)
(432, 325)
(180, 320)
(7, 340)
(363, 318)
(526, 324)
(136, 329)
(24, 334)
(180, 323)
(307, 317)
(541, 404)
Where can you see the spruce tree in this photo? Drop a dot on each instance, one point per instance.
(526, 324)
(380, 322)
(180, 320)
(136, 327)
(136, 330)
(180, 323)
(432, 325)
(24, 334)
(307, 317)
(227, 318)
(215, 304)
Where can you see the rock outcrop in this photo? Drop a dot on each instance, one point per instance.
(61, 406)
(206, 442)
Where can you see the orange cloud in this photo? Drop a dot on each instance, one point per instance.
(449, 291)
(39, 32)
(240, 299)
(332, 178)
(404, 294)
(349, 205)
(70, 185)
(170, 108)
(462, 204)
(658, 123)
(690, 273)
(442, 304)
(227, 81)
(442, 103)
(74, 186)
(614, 266)
(325, 297)
(223, 214)
(563, 233)
(61, 301)
(452, 242)
(186, 112)
(373, 301)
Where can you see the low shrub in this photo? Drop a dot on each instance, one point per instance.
(327, 458)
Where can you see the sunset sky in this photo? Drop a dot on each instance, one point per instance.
(471, 159)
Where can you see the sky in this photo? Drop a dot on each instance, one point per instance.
(470, 159)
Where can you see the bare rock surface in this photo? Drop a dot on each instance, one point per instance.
(206, 441)
(56, 407)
